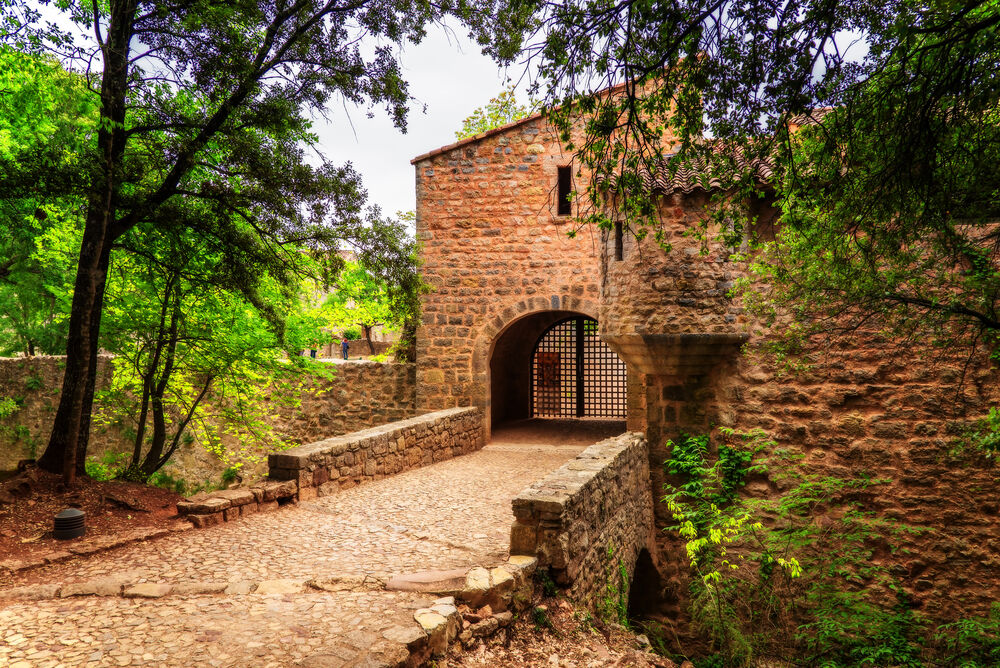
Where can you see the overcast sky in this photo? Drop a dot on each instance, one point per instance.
(448, 74)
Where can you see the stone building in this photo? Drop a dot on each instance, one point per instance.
(504, 271)
(493, 220)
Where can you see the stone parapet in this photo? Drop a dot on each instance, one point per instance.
(327, 466)
(585, 517)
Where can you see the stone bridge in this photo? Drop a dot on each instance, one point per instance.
(360, 550)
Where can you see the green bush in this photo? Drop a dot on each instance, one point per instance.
(107, 467)
(352, 334)
(8, 407)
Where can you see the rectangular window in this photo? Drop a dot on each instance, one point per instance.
(565, 206)
(619, 241)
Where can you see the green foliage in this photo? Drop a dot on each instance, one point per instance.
(230, 474)
(199, 133)
(771, 580)
(46, 117)
(352, 334)
(192, 353)
(499, 111)
(984, 435)
(549, 587)
(972, 642)
(613, 603)
(107, 467)
(860, 634)
(33, 383)
(8, 407)
(540, 618)
(876, 124)
(179, 485)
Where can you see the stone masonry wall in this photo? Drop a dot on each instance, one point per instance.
(359, 395)
(866, 407)
(35, 383)
(327, 466)
(494, 250)
(571, 518)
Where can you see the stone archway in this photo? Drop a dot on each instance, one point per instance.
(504, 348)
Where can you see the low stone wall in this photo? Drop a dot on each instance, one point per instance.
(328, 466)
(325, 467)
(596, 504)
(357, 396)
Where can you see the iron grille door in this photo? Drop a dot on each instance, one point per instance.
(575, 374)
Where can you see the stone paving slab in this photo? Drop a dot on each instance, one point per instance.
(447, 516)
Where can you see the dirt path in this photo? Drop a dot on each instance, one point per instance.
(450, 515)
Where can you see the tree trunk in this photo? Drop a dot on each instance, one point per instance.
(67, 448)
(367, 330)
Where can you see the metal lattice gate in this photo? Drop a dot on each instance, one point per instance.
(575, 374)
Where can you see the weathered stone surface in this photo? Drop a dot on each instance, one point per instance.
(211, 504)
(147, 590)
(429, 620)
(240, 588)
(600, 498)
(196, 588)
(429, 581)
(202, 521)
(31, 592)
(280, 587)
(370, 454)
(495, 210)
(413, 637)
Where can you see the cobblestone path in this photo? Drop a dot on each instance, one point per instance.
(451, 515)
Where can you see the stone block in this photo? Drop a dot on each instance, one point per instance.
(249, 509)
(236, 497)
(206, 520)
(267, 506)
(147, 590)
(230, 514)
(212, 504)
(328, 488)
(523, 539)
(280, 587)
(307, 493)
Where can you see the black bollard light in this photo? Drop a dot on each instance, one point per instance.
(69, 524)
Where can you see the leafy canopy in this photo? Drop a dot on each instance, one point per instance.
(888, 195)
(499, 111)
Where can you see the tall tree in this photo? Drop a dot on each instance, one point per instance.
(209, 103)
(889, 193)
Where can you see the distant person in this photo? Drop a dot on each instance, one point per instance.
(345, 347)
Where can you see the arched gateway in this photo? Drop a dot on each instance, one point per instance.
(553, 364)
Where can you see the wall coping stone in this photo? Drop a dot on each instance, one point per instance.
(299, 457)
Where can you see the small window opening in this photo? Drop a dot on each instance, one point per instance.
(565, 205)
(619, 241)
